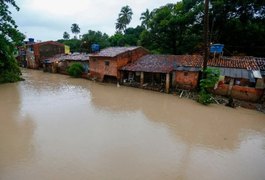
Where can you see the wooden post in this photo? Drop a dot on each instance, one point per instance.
(120, 79)
(167, 82)
(174, 79)
(231, 83)
(142, 78)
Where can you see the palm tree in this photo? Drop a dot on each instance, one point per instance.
(75, 29)
(120, 26)
(125, 17)
(66, 35)
(145, 17)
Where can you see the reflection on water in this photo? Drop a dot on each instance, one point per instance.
(56, 127)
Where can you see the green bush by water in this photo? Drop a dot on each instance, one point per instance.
(212, 77)
(75, 70)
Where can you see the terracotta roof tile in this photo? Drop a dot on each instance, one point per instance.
(163, 63)
(261, 63)
(166, 63)
(114, 51)
(244, 62)
(71, 57)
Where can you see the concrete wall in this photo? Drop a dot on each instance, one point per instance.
(240, 92)
(186, 79)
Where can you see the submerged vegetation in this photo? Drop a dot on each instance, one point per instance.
(75, 70)
(10, 37)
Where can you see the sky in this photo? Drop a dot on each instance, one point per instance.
(48, 19)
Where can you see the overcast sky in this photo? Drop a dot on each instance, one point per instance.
(48, 19)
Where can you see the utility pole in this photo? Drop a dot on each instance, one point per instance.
(206, 36)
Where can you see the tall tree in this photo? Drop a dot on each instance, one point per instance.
(94, 37)
(125, 17)
(75, 29)
(66, 35)
(239, 25)
(145, 18)
(174, 28)
(10, 37)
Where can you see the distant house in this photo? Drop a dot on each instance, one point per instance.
(240, 77)
(162, 72)
(34, 54)
(187, 70)
(106, 63)
(60, 63)
(261, 63)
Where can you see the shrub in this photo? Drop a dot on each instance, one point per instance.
(75, 70)
(205, 98)
(212, 77)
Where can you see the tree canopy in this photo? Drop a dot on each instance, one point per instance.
(66, 35)
(75, 29)
(125, 17)
(10, 37)
(177, 28)
(94, 37)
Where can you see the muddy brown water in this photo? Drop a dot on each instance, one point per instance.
(56, 127)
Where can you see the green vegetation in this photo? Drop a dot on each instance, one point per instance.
(212, 77)
(94, 37)
(10, 37)
(125, 17)
(66, 36)
(178, 28)
(75, 70)
(75, 30)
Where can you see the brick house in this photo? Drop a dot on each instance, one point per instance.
(106, 63)
(59, 63)
(187, 70)
(240, 78)
(162, 72)
(36, 53)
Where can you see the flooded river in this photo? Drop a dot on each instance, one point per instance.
(53, 127)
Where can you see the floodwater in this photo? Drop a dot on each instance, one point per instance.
(55, 127)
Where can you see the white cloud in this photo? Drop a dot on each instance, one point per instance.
(48, 19)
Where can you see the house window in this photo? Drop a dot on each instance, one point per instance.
(106, 63)
(185, 73)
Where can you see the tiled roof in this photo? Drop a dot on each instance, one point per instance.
(114, 51)
(166, 63)
(261, 63)
(244, 62)
(46, 42)
(70, 57)
(188, 60)
(76, 57)
(163, 63)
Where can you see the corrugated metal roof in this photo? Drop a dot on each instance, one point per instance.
(239, 73)
(235, 73)
(256, 74)
(114, 51)
(186, 68)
